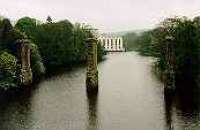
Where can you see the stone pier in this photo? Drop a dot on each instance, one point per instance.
(170, 58)
(92, 72)
(24, 60)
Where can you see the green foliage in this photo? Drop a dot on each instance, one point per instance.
(144, 42)
(140, 42)
(55, 42)
(8, 65)
(8, 37)
(60, 43)
(100, 52)
(130, 41)
(8, 44)
(8, 53)
(183, 37)
(79, 37)
(7, 62)
(49, 19)
(27, 26)
(176, 45)
(37, 65)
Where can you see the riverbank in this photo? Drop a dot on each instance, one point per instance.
(11, 90)
(30, 51)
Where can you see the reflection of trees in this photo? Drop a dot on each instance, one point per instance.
(92, 111)
(168, 98)
(186, 101)
(15, 110)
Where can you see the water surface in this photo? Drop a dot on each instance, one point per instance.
(130, 98)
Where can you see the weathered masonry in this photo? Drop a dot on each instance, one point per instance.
(24, 59)
(92, 72)
(112, 43)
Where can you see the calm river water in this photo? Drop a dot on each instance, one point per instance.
(130, 98)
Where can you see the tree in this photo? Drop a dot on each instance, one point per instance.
(49, 19)
(8, 66)
(185, 42)
(7, 62)
(130, 41)
(55, 42)
(8, 37)
(60, 43)
(27, 26)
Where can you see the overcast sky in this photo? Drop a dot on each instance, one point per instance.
(106, 15)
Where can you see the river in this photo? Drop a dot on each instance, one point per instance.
(130, 98)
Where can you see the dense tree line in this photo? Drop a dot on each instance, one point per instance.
(130, 41)
(53, 45)
(60, 43)
(141, 42)
(9, 66)
(175, 43)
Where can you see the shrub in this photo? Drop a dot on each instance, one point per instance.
(8, 65)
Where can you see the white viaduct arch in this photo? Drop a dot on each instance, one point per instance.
(112, 43)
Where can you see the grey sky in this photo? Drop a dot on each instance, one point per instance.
(106, 15)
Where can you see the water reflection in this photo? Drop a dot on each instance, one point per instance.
(130, 98)
(182, 107)
(15, 110)
(168, 98)
(92, 100)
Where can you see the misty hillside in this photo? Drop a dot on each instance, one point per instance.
(122, 33)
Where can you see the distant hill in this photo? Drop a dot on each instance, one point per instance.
(122, 33)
